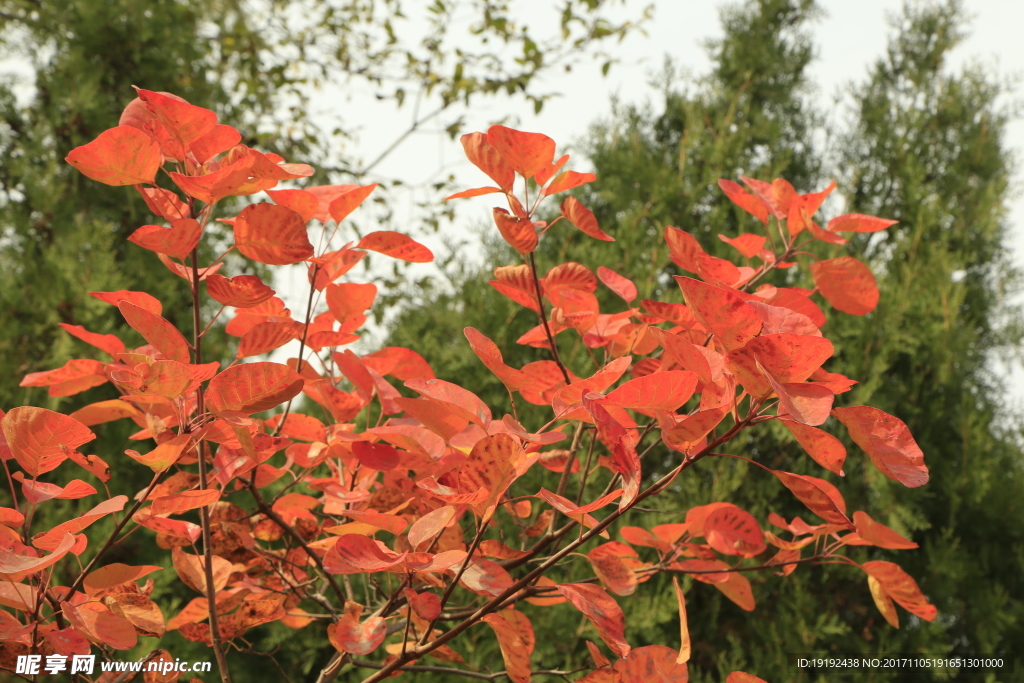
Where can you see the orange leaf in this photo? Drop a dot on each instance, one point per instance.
(567, 181)
(253, 387)
(120, 156)
(349, 635)
(520, 233)
(584, 220)
(212, 187)
(734, 531)
(178, 241)
(514, 650)
(487, 351)
(622, 286)
(475, 192)
(747, 244)
(304, 203)
(348, 299)
(272, 234)
(38, 437)
(526, 153)
(159, 332)
(660, 392)
(145, 301)
(649, 663)
(396, 245)
(847, 284)
(15, 567)
(427, 527)
(164, 203)
(602, 611)
(901, 587)
(888, 443)
(787, 357)
(684, 626)
(107, 343)
(737, 589)
(265, 337)
(741, 677)
(816, 498)
(824, 449)
(218, 139)
(191, 570)
(858, 222)
(879, 535)
(722, 311)
(184, 501)
(613, 562)
(883, 602)
(349, 201)
(485, 157)
(743, 199)
(241, 291)
(114, 575)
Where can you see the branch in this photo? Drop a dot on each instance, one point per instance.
(544, 320)
(202, 452)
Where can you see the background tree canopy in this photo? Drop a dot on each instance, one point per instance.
(921, 144)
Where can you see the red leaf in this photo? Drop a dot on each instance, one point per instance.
(824, 449)
(475, 192)
(427, 527)
(212, 187)
(847, 284)
(520, 233)
(253, 387)
(723, 312)
(354, 554)
(737, 589)
(349, 201)
(687, 253)
(183, 121)
(487, 351)
(614, 562)
(396, 245)
(265, 337)
(159, 332)
(304, 203)
(120, 156)
(748, 244)
(376, 456)
(888, 443)
(651, 663)
(241, 291)
(743, 199)
(107, 343)
(622, 286)
(858, 222)
(584, 220)
(15, 567)
(493, 464)
(425, 605)
(485, 157)
(625, 459)
(298, 426)
(662, 391)
(603, 612)
(733, 531)
(526, 153)
(567, 181)
(140, 299)
(788, 357)
(741, 677)
(184, 501)
(348, 299)
(53, 538)
(515, 650)
(776, 195)
(901, 587)
(218, 139)
(805, 402)
(164, 203)
(178, 241)
(38, 437)
(814, 497)
(272, 234)
(877, 534)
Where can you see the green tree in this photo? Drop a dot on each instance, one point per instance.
(924, 146)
